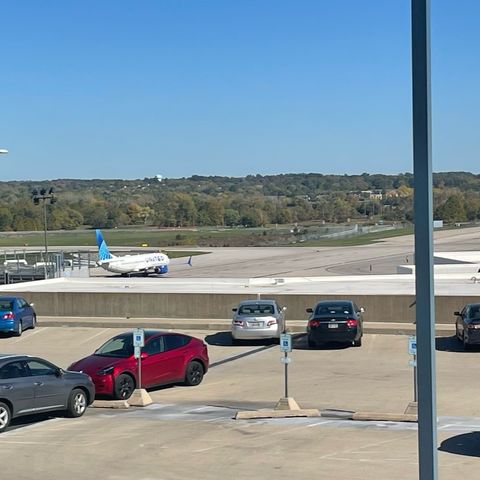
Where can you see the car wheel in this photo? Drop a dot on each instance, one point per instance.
(34, 321)
(19, 329)
(124, 386)
(310, 343)
(457, 333)
(77, 403)
(194, 374)
(357, 343)
(5, 416)
(466, 345)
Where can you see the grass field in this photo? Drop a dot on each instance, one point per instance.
(129, 238)
(156, 238)
(362, 239)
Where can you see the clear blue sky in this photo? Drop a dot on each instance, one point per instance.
(129, 89)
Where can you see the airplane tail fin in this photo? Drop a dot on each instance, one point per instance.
(103, 251)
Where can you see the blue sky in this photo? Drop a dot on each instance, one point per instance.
(123, 89)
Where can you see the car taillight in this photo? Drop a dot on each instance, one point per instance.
(238, 322)
(351, 322)
(314, 323)
(271, 322)
(8, 316)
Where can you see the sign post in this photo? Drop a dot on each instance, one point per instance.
(138, 343)
(286, 347)
(412, 350)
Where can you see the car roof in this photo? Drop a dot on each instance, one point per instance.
(13, 356)
(257, 302)
(148, 333)
(8, 298)
(334, 302)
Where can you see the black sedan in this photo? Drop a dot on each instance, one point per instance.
(30, 385)
(467, 325)
(335, 321)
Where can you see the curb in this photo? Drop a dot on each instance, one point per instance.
(220, 325)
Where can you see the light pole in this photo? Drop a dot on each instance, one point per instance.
(44, 195)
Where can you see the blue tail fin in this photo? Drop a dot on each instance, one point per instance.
(103, 251)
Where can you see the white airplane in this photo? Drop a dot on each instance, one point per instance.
(144, 262)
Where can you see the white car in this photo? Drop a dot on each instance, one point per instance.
(257, 319)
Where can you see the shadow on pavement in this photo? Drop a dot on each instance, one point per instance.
(300, 343)
(451, 344)
(465, 444)
(6, 335)
(225, 339)
(26, 421)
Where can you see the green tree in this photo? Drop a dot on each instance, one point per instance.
(453, 210)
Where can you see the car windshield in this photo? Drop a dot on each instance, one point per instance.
(6, 305)
(121, 347)
(334, 309)
(474, 313)
(256, 310)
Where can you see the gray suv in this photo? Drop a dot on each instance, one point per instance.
(30, 385)
(257, 319)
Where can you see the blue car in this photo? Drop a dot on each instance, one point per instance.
(16, 315)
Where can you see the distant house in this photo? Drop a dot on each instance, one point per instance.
(371, 194)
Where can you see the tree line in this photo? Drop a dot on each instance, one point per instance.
(250, 201)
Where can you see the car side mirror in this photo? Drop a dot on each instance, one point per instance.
(31, 304)
(234, 309)
(58, 372)
(456, 313)
(143, 355)
(362, 310)
(284, 309)
(309, 310)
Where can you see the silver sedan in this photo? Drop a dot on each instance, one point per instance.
(257, 319)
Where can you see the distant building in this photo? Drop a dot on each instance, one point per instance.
(371, 194)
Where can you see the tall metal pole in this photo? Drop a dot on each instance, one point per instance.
(425, 307)
(45, 228)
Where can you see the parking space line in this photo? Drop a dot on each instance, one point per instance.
(30, 334)
(102, 331)
(352, 450)
(316, 424)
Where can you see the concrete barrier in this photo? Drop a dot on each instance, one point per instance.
(379, 308)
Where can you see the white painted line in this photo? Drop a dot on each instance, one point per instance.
(27, 334)
(199, 409)
(215, 419)
(103, 330)
(320, 423)
(158, 406)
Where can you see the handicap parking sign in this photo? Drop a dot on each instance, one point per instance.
(412, 345)
(285, 342)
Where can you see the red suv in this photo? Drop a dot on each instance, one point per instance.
(166, 358)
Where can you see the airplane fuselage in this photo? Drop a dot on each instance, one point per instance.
(148, 262)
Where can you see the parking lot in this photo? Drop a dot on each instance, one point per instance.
(189, 431)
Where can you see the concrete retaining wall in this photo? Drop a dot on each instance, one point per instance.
(379, 308)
